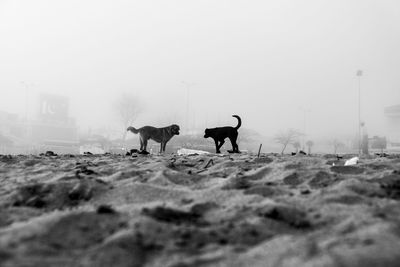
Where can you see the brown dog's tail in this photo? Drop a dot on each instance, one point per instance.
(239, 121)
(133, 130)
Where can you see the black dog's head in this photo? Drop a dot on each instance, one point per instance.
(175, 129)
(207, 133)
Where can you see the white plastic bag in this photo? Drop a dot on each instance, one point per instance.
(352, 161)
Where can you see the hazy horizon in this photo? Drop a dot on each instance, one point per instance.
(266, 61)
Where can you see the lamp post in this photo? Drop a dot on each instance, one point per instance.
(359, 74)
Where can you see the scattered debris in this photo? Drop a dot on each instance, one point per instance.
(105, 209)
(48, 154)
(210, 162)
(259, 150)
(185, 151)
(132, 152)
(300, 153)
(92, 149)
(82, 169)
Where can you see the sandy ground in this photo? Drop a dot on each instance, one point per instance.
(204, 210)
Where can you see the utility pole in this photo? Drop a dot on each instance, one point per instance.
(359, 74)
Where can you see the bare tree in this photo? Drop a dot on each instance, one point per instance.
(127, 107)
(287, 137)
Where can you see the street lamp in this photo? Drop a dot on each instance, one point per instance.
(359, 74)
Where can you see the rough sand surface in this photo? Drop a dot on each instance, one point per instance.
(204, 210)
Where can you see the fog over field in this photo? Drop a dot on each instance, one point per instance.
(278, 64)
(308, 174)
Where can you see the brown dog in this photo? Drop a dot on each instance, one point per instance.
(220, 133)
(160, 135)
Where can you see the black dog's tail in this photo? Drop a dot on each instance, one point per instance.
(239, 121)
(133, 129)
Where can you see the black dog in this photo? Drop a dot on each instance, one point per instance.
(220, 133)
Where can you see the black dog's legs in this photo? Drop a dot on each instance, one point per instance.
(235, 147)
(216, 146)
(221, 143)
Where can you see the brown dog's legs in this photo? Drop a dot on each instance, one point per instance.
(145, 145)
(162, 147)
(141, 143)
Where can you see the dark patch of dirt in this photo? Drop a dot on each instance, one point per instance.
(258, 174)
(191, 239)
(390, 184)
(367, 188)
(237, 183)
(174, 216)
(335, 162)
(201, 208)
(264, 160)
(8, 159)
(322, 179)
(81, 230)
(9, 215)
(378, 166)
(293, 179)
(292, 166)
(292, 216)
(58, 195)
(265, 191)
(126, 250)
(352, 170)
(105, 209)
(183, 178)
(346, 199)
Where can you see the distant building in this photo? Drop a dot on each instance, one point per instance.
(392, 117)
(50, 129)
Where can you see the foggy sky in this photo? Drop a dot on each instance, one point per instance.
(263, 60)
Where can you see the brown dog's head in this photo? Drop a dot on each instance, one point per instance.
(175, 129)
